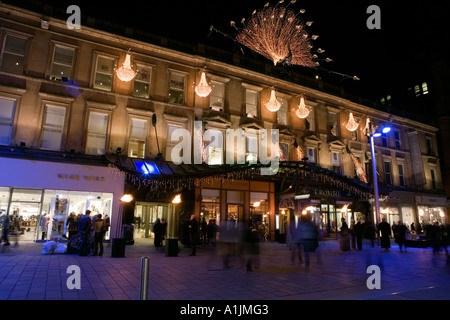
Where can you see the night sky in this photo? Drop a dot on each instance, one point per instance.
(412, 32)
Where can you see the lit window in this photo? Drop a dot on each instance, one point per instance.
(52, 128)
(311, 155)
(104, 73)
(425, 88)
(176, 90)
(216, 98)
(252, 149)
(417, 90)
(282, 114)
(336, 162)
(333, 123)
(138, 135)
(251, 103)
(7, 112)
(401, 175)
(13, 56)
(433, 179)
(97, 130)
(284, 148)
(62, 63)
(142, 82)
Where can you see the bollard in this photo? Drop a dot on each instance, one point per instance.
(144, 278)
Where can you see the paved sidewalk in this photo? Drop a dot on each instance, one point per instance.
(26, 274)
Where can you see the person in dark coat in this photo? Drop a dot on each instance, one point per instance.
(385, 229)
(158, 230)
(359, 233)
(251, 243)
(345, 236)
(369, 232)
(400, 235)
(193, 232)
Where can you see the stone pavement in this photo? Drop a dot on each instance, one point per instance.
(26, 274)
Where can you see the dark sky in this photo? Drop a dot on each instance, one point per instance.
(382, 58)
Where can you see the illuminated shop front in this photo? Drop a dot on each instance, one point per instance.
(42, 195)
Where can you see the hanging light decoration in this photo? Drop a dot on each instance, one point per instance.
(273, 105)
(351, 125)
(125, 72)
(203, 89)
(302, 111)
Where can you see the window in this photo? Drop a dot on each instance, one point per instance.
(311, 155)
(336, 162)
(284, 154)
(252, 149)
(97, 130)
(433, 179)
(216, 98)
(214, 148)
(251, 103)
(138, 135)
(13, 56)
(141, 86)
(169, 143)
(417, 90)
(52, 128)
(310, 122)
(397, 140)
(333, 123)
(62, 63)
(282, 114)
(384, 140)
(425, 88)
(7, 112)
(430, 152)
(387, 172)
(176, 88)
(104, 73)
(401, 175)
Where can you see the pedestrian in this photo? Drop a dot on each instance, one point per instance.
(84, 229)
(71, 224)
(211, 232)
(345, 236)
(434, 234)
(385, 230)
(352, 234)
(100, 229)
(44, 221)
(251, 245)
(158, 230)
(308, 238)
(193, 232)
(359, 233)
(400, 235)
(203, 225)
(5, 231)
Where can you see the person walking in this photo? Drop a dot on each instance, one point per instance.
(251, 246)
(385, 230)
(307, 238)
(345, 236)
(193, 232)
(203, 228)
(99, 234)
(84, 229)
(158, 230)
(359, 233)
(400, 235)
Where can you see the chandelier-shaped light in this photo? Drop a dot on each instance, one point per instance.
(203, 89)
(302, 111)
(125, 72)
(351, 125)
(279, 34)
(273, 105)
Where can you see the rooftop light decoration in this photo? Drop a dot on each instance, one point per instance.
(126, 72)
(279, 34)
(302, 111)
(273, 105)
(203, 89)
(352, 125)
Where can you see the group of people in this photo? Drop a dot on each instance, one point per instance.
(10, 226)
(91, 231)
(159, 229)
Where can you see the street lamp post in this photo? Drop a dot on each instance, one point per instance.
(172, 229)
(373, 133)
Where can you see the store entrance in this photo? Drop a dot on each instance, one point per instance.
(145, 216)
(235, 212)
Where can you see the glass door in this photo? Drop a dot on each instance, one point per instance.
(26, 207)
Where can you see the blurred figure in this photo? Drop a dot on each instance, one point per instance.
(193, 232)
(203, 227)
(251, 245)
(158, 230)
(369, 233)
(345, 236)
(385, 229)
(352, 234)
(5, 231)
(434, 234)
(400, 235)
(295, 243)
(230, 240)
(72, 224)
(211, 232)
(359, 233)
(307, 237)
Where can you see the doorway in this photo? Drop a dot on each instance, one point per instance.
(145, 216)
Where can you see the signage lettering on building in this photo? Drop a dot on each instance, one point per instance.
(76, 177)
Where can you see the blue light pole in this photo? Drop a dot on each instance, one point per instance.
(376, 134)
